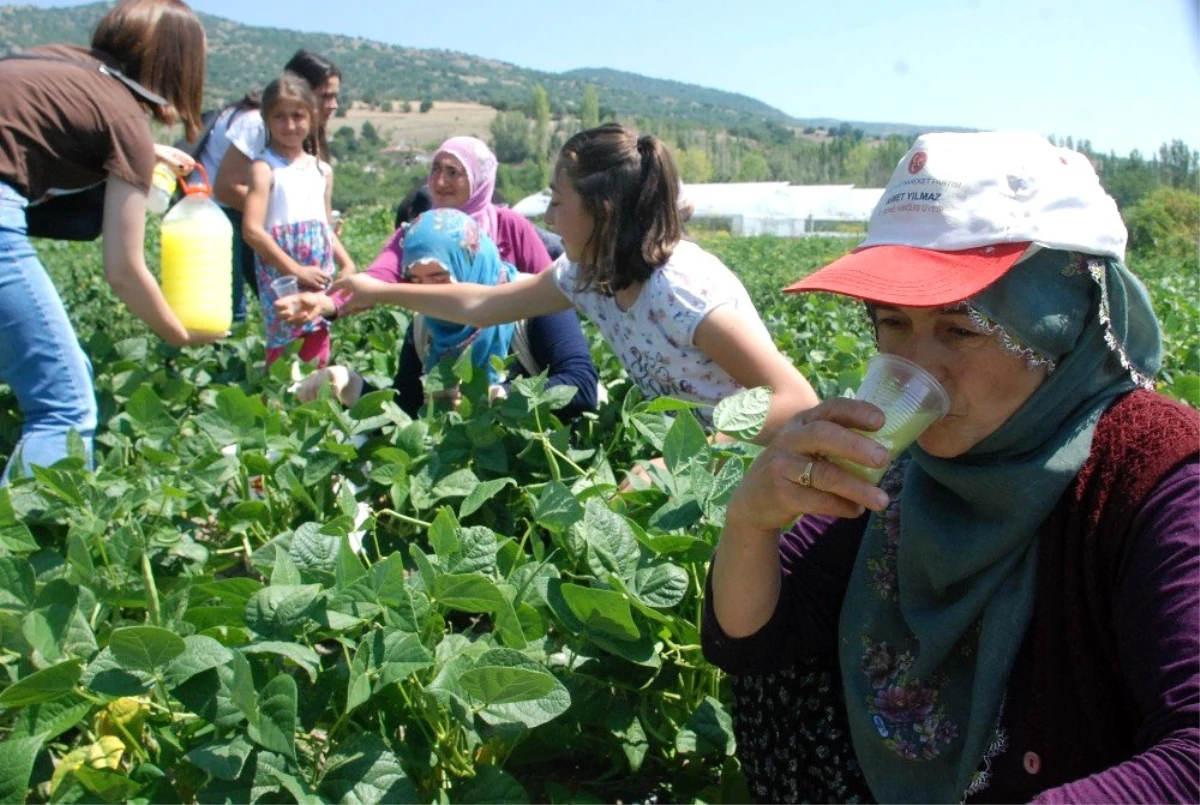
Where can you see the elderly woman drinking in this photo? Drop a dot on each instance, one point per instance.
(1014, 614)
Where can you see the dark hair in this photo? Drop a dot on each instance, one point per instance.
(316, 70)
(291, 87)
(159, 44)
(251, 100)
(313, 68)
(630, 187)
(416, 202)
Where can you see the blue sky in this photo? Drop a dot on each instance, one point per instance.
(1123, 73)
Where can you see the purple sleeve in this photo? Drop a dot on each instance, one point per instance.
(816, 557)
(1157, 619)
(519, 243)
(386, 266)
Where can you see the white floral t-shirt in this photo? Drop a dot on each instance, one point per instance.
(655, 338)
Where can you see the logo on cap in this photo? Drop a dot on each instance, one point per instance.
(917, 162)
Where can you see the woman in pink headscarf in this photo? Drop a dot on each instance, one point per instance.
(463, 176)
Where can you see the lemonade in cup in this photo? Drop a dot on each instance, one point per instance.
(911, 400)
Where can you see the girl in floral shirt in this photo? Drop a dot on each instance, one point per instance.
(680, 322)
(286, 219)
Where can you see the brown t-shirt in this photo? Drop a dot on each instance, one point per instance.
(65, 127)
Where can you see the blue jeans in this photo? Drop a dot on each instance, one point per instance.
(40, 356)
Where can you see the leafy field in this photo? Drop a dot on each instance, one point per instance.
(254, 600)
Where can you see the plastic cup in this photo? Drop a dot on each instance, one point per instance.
(285, 286)
(911, 400)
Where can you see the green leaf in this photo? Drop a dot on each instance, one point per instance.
(481, 494)
(743, 415)
(467, 592)
(493, 785)
(222, 759)
(532, 712)
(605, 611)
(17, 538)
(42, 686)
(302, 655)
(200, 654)
(363, 771)
(685, 445)
(276, 729)
(17, 756)
(443, 534)
(283, 610)
(51, 719)
(611, 544)
(105, 674)
(284, 573)
(16, 584)
(557, 509)
(709, 731)
(455, 485)
(314, 551)
(661, 586)
(487, 685)
(145, 648)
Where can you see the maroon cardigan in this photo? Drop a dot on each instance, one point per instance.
(1104, 698)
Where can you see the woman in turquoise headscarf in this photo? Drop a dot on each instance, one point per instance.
(1014, 614)
(444, 246)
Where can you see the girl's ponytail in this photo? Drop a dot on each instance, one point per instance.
(630, 187)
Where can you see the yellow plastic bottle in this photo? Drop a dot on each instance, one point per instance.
(197, 260)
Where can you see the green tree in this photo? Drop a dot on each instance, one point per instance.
(370, 135)
(589, 108)
(1179, 164)
(694, 165)
(510, 137)
(1166, 222)
(541, 122)
(753, 168)
(426, 104)
(386, 106)
(406, 107)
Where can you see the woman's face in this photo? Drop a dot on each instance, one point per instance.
(327, 98)
(986, 384)
(428, 272)
(568, 217)
(448, 182)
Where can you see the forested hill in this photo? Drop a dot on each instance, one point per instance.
(242, 56)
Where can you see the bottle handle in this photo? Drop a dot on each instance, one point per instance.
(203, 188)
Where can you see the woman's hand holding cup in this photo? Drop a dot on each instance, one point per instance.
(793, 475)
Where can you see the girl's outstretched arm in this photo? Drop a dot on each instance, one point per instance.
(461, 302)
(752, 359)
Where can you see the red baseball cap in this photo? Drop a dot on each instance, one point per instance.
(913, 277)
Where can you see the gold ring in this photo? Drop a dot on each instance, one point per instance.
(805, 478)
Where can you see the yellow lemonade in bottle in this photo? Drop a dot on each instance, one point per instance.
(197, 263)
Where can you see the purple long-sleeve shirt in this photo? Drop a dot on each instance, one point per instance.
(1156, 619)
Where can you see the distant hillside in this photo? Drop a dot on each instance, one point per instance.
(242, 56)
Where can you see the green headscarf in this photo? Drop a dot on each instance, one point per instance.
(943, 586)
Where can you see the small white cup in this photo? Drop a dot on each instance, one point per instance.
(911, 400)
(285, 286)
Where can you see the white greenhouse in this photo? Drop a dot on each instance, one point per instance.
(765, 208)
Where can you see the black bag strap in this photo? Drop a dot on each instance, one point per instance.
(133, 86)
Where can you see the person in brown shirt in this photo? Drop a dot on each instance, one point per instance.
(69, 121)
